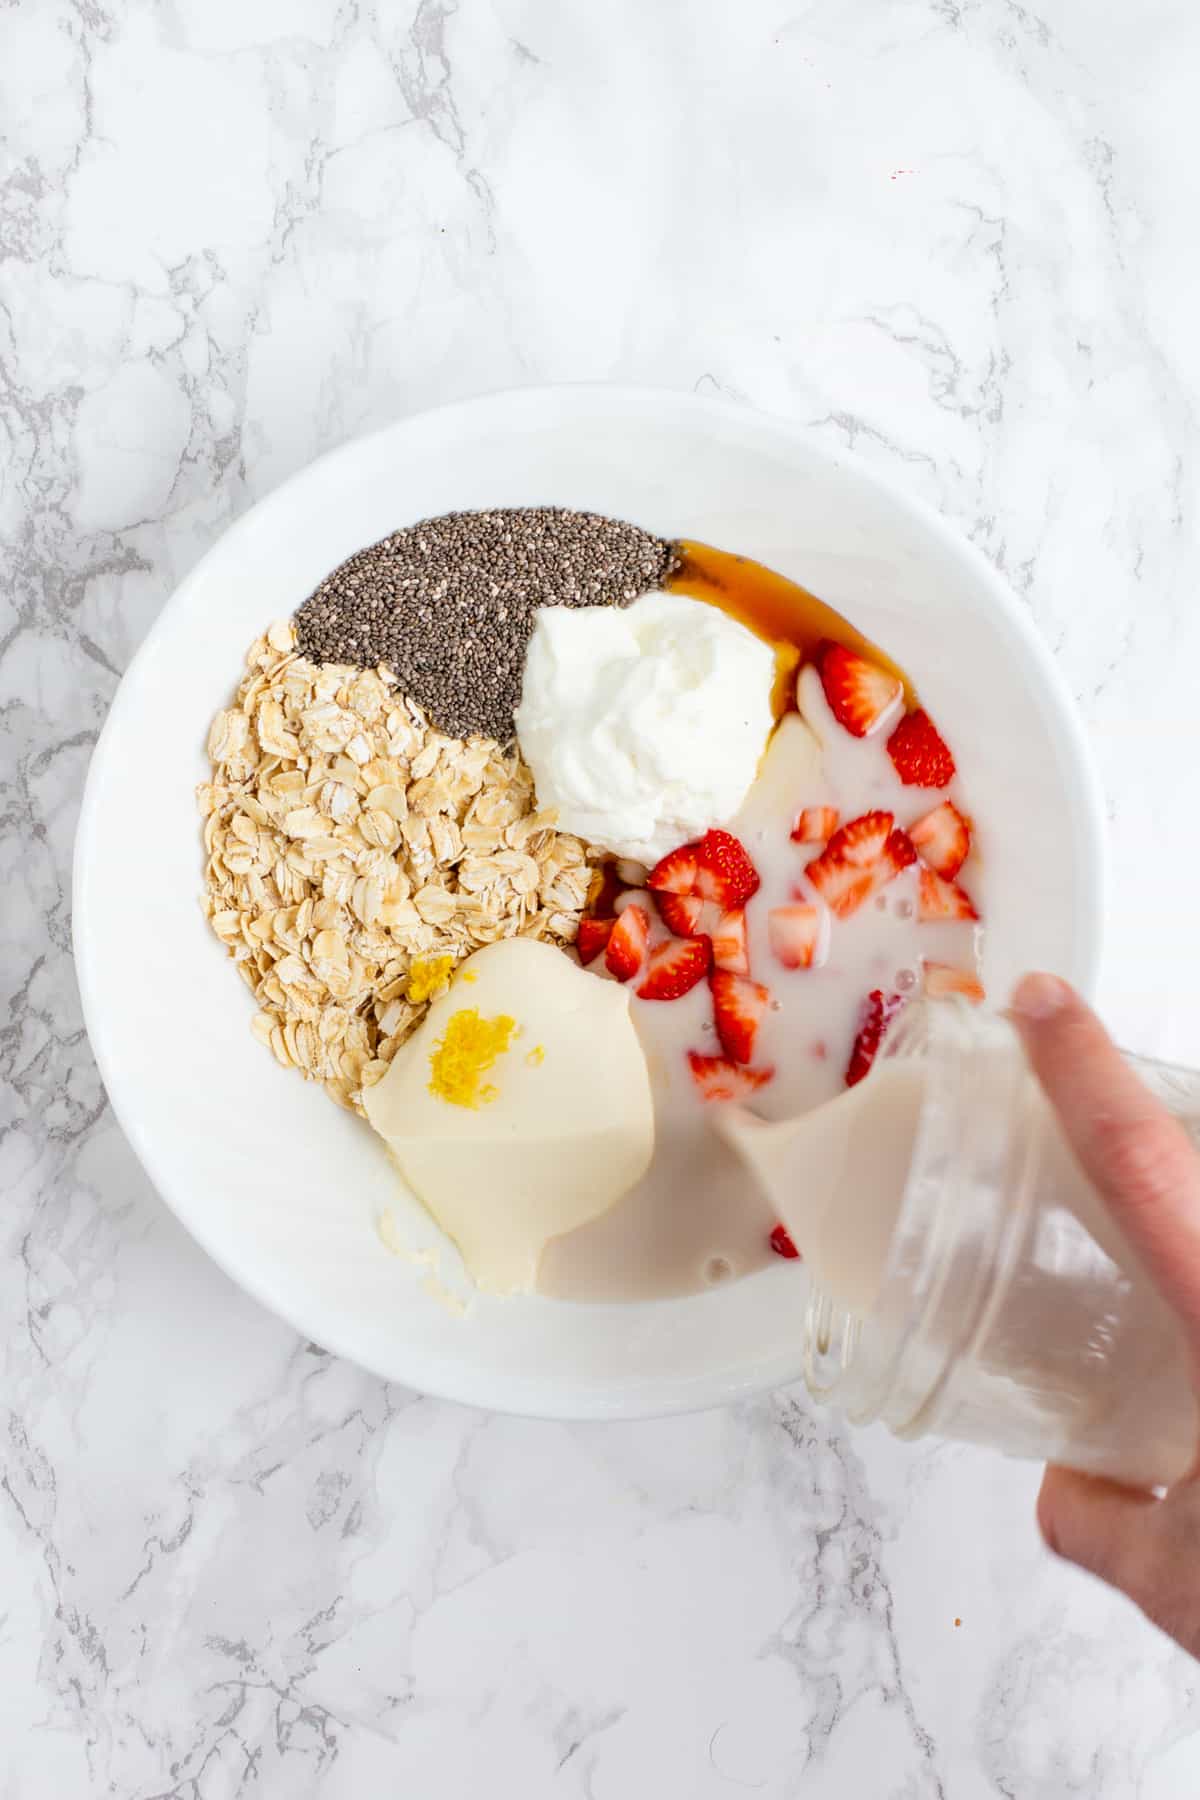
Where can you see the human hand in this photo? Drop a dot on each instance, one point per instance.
(1143, 1165)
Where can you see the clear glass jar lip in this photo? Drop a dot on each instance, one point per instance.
(836, 1366)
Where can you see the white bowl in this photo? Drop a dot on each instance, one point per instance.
(281, 1188)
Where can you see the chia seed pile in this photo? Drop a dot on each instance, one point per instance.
(449, 604)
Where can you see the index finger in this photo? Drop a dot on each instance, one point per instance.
(1135, 1154)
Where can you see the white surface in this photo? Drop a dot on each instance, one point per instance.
(283, 1192)
(644, 726)
(957, 237)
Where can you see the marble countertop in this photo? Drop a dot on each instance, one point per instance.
(958, 235)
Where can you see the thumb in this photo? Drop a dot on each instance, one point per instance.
(1097, 1525)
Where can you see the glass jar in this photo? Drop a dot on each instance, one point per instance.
(1011, 1311)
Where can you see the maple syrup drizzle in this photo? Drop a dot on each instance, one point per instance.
(786, 615)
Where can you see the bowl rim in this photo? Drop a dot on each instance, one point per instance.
(1062, 719)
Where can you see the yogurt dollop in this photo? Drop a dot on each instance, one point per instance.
(644, 725)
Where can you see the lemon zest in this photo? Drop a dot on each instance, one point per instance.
(468, 1049)
(427, 977)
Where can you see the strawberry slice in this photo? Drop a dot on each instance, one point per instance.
(842, 888)
(730, 949)
(858, 860)
(816, 825)
(676, 873)
(719, 1079)
(627, 946)
(738, 1007)
(794, 933)
(675, 967)
(941, 980)
(716, 869)
(943, 899)
(919, 752)
(943, 838)
(726, 873)
(859, 692)
(860, 841)
(781, 1243)
(593, 936)
(684, 914)
(878, 1011)
(898, 853)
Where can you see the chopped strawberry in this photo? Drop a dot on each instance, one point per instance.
(878, 1011)
(860, 841)
(842, 888)
(716, 869)
(898, 853)
(919, 752)
(941, 980)
(627, 946)
(738, 1006)
(943, 838)
(730, 949)
(816, 825)
(726, 873)
(859, 859)
(675, 967)
(781, 1243)
(593, 936)
(676, 873)
(682, 913)
(859, 692)
(720, 1079)
(794, 933)
(943, 899)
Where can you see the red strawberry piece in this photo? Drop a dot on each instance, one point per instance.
(675, 967)
(686, 914)
(738, 1007)
(794, 933)
(816, 825)
(842, 888)
(943, 899)
(725, 872)
(593, 936)
(863, 856)
(719, 1079)
(730, 949)
(859, 692)
(781, 1243)
(941, 980)
(943, 838)
(676, 873)
(627, 946)
(898, 853)
(919, 752)
(716, 869)
(878, 1011)
(860, 841)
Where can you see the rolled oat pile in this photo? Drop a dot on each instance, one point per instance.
(355, 855)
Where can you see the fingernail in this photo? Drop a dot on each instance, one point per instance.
(1040, 996)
